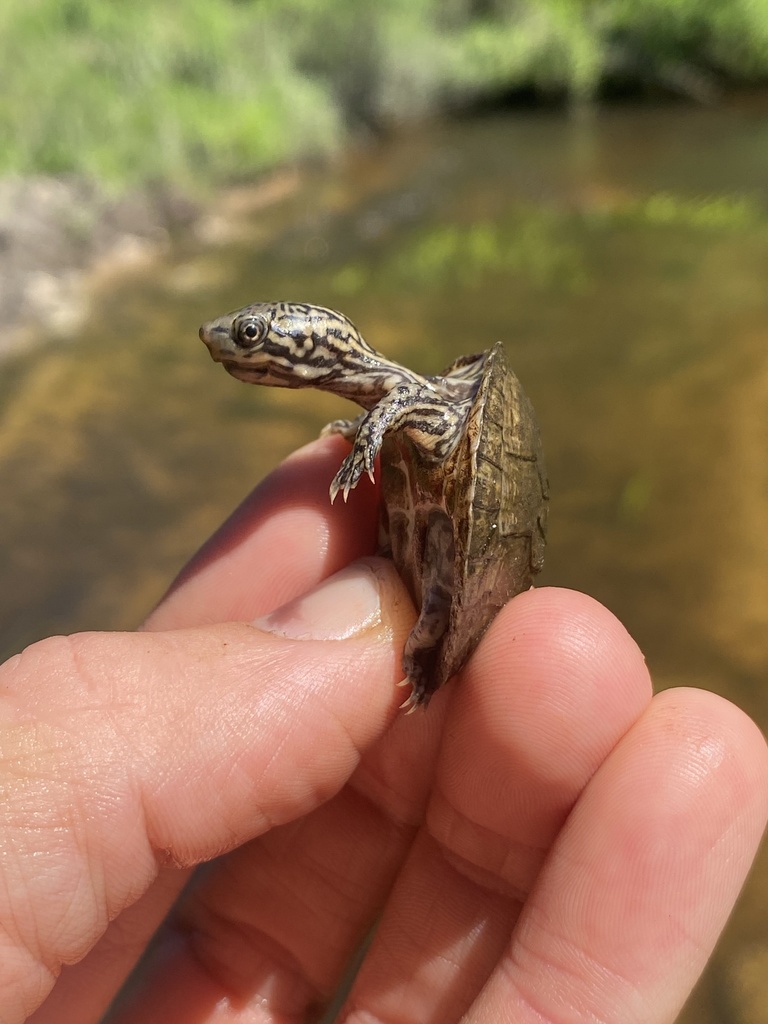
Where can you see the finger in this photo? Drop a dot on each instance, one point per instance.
(645, 874)
(137, 749)
(84, 991)
(275, 923)
(552, 688)
(282, 540)
(249, 914)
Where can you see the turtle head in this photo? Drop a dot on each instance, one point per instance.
(285, 344)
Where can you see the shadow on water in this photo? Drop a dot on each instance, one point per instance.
(623, 261)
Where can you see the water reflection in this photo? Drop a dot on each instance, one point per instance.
(623, 261)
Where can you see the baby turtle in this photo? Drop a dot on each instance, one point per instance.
(463, 480)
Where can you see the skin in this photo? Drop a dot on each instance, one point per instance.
(547, 843)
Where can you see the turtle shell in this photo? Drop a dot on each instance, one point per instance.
(467, 533)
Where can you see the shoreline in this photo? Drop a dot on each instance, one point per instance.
(61, 237)
(56, 234)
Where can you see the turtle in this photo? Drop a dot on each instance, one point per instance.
(463, 483)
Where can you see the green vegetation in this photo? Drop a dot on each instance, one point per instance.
(532, 243)
(207, 90)
(716, 213)
(541, 245)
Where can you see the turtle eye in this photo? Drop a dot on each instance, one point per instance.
(250, 331)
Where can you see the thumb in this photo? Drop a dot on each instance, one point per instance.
(121, 751)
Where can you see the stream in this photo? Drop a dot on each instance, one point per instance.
(623, 259)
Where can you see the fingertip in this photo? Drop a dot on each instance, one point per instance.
(570, 628)
(707, 735)
(367, 594)
(648, 866)
(283, 538)
(561, 654)
(550, 691)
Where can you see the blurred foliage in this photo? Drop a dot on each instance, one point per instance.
(204, 90)
(700, 212)
(540, 245)
(533, 243)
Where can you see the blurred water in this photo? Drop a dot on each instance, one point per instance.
(621, 258)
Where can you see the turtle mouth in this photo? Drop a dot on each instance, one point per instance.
(246, 373)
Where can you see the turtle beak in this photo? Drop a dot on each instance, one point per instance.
(217, 340)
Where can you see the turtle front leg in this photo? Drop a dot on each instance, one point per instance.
(432, 424)
(346, 428)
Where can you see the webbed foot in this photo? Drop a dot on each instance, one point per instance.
(415, 699)
(367, 437)
(360, 460)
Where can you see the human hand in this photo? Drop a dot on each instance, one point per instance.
(545, 843)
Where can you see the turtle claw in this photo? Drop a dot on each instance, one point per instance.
(414, 699)
(350, 472)
(335, 487)
(411, 703)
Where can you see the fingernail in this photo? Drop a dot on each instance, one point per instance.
(342, 606)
